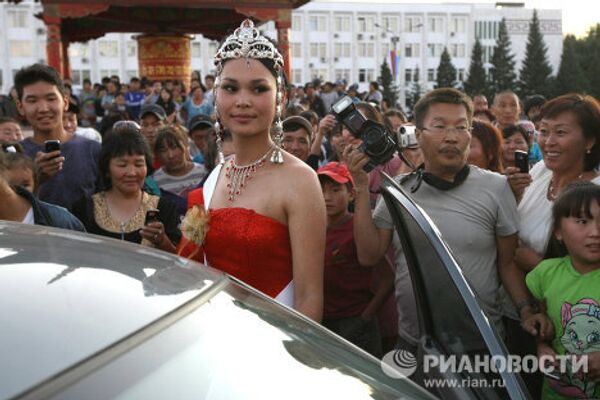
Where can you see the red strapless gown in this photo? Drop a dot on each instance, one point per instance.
(249, 246)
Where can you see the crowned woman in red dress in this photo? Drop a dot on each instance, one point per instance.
(266, 213)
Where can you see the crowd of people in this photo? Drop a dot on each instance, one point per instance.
(293, 211)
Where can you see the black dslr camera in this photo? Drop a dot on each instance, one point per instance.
(376, 142)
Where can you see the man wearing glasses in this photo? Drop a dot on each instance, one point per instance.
(474, 210)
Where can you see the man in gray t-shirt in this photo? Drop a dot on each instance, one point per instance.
(470, 218)
(474, 210)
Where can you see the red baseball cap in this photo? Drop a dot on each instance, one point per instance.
(337, 171)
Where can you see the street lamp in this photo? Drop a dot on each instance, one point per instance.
(395, 39)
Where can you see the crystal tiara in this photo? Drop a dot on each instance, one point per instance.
(247, 42)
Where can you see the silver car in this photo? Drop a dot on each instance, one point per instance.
(85, 317)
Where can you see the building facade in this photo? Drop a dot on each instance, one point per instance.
(328, 40)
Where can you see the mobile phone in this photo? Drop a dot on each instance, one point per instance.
(51, 145)
(151, 216)
(522, 160)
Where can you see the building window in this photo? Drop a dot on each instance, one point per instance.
(296, 49)
(460, 74)
(488, 52)
(366, 24)
(458, 25)
(317, 23)
(408, 75)
(435, 24)
(109, 72)
(132, 49)
(1, 79)
(366, 49)
(212, 49)
(108, 49)
(390, 23)
(341, 23)
(320, 74)
(297, 76)
(431, 75)
(413, 24)
(78, 76)
(196, 49)
(16, 18)
(457, 50)
(342, 74)
(412, 50)
(487, 29)
(318, 49)
(366, 75)
(341, 49)
(77, 50)
(131, 73)
(296, 23)
(21, 48)
(434, 50)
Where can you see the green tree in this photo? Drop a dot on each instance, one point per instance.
(503, 70)
(571, 76)
(588, 51)
(389, 88)
(446, 73)
(476, 82)
(534, 76)
(414, 93)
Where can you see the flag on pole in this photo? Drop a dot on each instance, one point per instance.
(395, 61)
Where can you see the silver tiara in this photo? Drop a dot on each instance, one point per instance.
(247, 42)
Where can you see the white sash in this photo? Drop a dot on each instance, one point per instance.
(286, 296)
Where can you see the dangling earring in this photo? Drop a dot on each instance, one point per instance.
(277, 131)
(219, 142)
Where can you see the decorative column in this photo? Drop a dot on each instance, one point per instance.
(283, 41)
(66, 62)
(165, 57)
(54, 45)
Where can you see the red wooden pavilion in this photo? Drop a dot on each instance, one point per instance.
(78, 20)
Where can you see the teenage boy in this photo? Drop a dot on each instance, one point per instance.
(351, 299)
(67, 174)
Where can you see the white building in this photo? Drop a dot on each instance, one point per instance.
(327, 40)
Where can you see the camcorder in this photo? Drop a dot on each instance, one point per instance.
(377, 142)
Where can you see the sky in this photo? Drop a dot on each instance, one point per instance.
(578, 15)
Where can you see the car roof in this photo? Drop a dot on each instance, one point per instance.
(67, 295)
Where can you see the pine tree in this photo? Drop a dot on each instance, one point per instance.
(534, 76)
(389, 88)
(414, 94)
(446, 73)
(503, 70)
(588, 51)
(571, 76)
(476, 82)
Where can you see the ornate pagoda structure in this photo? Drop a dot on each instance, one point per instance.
(165, 27)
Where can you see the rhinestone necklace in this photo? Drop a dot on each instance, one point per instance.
(238, 174)
(551, 189)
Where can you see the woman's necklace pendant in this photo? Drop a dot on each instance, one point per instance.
(238, 175)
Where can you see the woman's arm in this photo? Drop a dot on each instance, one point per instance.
(307, 224)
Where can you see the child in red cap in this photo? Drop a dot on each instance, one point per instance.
(351, 301)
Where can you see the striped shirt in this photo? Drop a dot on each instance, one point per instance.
(180, 185)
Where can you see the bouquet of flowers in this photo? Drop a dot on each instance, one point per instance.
(194, 228)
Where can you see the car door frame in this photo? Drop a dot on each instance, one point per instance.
(395, 196)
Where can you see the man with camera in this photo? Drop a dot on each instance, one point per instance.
(474, 210)
(67, 163)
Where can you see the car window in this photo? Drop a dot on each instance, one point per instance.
(239, 346)
(449, 312)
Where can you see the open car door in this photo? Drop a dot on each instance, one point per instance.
(451, 319)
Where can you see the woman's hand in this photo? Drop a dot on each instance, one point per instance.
(155, 233)
(518, 181)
